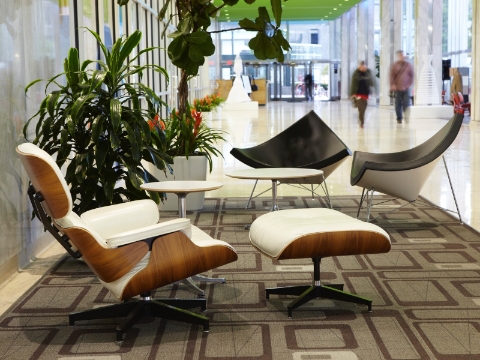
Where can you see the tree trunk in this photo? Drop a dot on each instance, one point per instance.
(183, 93)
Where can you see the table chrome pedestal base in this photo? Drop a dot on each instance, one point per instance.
(202, 278)
(190, 282)
(194, 287)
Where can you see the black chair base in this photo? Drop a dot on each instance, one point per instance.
(306, 293)
(135, 310)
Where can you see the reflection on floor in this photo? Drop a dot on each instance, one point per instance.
(380, 134)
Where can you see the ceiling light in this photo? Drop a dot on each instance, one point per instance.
(334, 8)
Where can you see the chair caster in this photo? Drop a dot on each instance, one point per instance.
(119, 342)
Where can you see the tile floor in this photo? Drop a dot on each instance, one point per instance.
(380, 134)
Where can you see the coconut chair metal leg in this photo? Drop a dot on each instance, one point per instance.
(453, 191)
(361, 202)
(369, 204)
(313, 193)
(325, 189)
(250, 199)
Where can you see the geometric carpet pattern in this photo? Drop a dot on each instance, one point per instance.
(425, 292)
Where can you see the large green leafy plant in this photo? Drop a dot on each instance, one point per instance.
(192, 40)
(96, 125)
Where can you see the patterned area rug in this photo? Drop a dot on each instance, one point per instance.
(425, 292)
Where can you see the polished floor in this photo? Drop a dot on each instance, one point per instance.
(381, 133)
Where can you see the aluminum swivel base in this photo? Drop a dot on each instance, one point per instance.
(134, 310)
(190, 282)
(306, 293)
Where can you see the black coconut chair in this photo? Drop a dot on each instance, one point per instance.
(308, 144)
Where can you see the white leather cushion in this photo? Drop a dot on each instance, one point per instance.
(272, 232)
(119, 218)
(202, 239)
(147, 232)
(73, 220)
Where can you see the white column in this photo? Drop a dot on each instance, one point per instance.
(426, 84)
(437, 25)
(353, 41)
(396, 37)
(370, 45)
(335, 46)
(362, 31)
(365, 35)
(475, 95)
(387, 48)
(345, 65)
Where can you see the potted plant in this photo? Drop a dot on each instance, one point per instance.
(96, 127)
(192, 145)
(192, 40)
(208, 103)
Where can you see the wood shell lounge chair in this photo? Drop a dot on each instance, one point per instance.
(316, 234)
(309, 143)
(403, 174)
(127, 249)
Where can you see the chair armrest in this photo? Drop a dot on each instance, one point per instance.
(167, 227)
(120, 218)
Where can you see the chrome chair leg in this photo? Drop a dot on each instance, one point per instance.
(250, 199)
(325, 189)
(453, 191)
(369, 204)
(361, 202)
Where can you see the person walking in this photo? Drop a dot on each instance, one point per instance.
(362, 82)
(401, 78)
(457, 83)
(309, 87)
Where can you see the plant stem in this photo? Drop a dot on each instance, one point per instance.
(225, 30)
(183, 93)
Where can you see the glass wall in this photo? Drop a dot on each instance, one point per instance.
(34, 38)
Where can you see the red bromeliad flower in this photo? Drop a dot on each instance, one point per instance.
(156, 123)
(197, 116)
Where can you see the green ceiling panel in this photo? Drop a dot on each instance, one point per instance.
(293, 10)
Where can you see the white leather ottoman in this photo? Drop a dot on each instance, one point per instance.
(316, 233)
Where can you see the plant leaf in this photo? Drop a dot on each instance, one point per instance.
(163, 10)
(52, 100)
(98, 78)
(115, 113)
(130, 43)
(248, 24)
(277, 10)
(100, 43)
(73, 62)
(78, 105)
(31, 84)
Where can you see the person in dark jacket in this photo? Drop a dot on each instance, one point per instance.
(309, 87)
(362, 82)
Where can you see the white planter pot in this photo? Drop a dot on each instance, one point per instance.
(195, 168)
